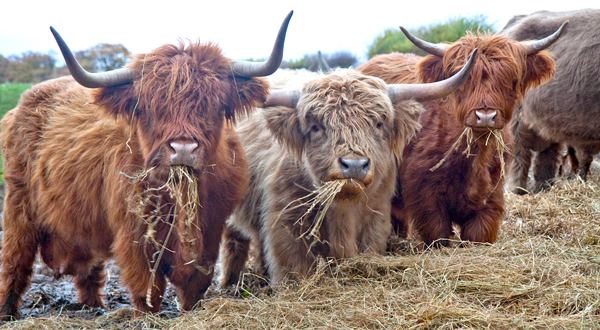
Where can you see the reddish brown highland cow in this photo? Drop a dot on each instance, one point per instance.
(103, 171)
(441, 181)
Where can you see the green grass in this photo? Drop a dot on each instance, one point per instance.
(9, 95)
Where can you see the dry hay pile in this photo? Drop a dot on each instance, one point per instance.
(544, 272)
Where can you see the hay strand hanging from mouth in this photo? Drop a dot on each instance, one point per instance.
(319, 199)
(501, 148)
(182, 188)
(468, 134)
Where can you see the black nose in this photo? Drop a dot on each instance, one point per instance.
(183, 153)
(354, 168)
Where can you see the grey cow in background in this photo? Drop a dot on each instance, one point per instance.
(566, 110)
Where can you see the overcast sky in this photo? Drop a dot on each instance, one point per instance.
(243, 29)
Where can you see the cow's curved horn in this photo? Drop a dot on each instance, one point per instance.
(323, 65)
(88, 79)
(257, 69)
(287, 98)
(423, 92)
(534, 46)
(426, 46)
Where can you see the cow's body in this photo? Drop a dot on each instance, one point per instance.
(144, 168)
(67, 190)
(440, 183)
(566, 109)
(283, 171)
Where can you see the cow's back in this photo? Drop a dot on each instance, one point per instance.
(393, 68)
(567, 106)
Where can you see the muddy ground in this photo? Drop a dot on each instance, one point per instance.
(50, 296)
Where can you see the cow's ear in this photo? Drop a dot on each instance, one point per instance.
(284, 124)
(406, 125)
(118, 100)
(540, 68)
(430, 69)
(248, 93)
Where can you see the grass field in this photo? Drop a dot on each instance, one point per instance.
(9, 95)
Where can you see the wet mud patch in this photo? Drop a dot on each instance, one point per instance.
(50, 296)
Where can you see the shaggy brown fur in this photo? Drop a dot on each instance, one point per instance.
(293, 151)
(465, 190)
(564, 111)
(70, 153)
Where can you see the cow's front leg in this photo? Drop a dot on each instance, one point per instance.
(234, 253)
(546, 165)
(288, 257)
(376, 232)
(89, 286)
(484, 226)
(136, 257)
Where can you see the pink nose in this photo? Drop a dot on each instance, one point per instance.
(183, 153)
(485, 118)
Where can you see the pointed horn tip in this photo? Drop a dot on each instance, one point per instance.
(473, 56)
(404, 30)
(288, 17)
(463, 73)
(562, 27)
(470, 62)
(54, 32)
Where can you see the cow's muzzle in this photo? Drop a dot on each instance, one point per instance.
(182, 153)
(354, 167)
(485, 118)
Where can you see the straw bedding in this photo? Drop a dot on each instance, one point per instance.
(544, 272)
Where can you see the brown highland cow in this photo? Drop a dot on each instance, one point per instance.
(144, 166)
(337, 142)
(445, 180)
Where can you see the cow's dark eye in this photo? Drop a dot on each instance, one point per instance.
(379, 125)
(315, 128)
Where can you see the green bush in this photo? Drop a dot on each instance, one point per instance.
(393, 40)
(9, 95)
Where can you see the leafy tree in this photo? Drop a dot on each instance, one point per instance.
(4, 62)
(30, 67)
(303, 63)
(393, 40)
(342, 59)
(103, 57)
